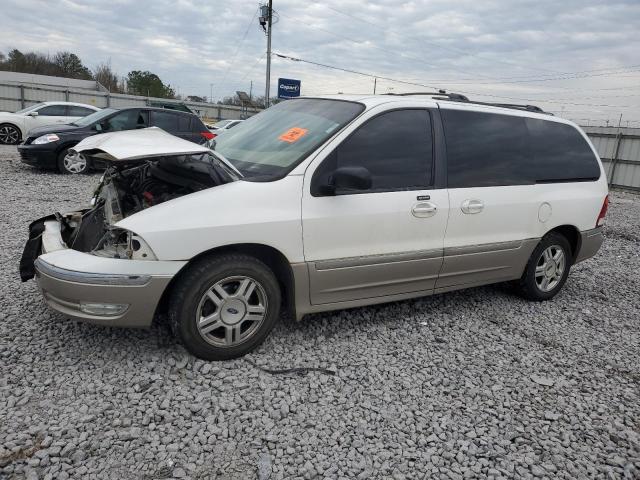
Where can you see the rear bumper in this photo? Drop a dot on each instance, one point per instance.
(38, 155)
(98, 290)
(591, 242)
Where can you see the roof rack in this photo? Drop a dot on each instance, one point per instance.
(457, 97)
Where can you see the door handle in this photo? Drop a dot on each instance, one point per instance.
(472, 206)
(424, 209)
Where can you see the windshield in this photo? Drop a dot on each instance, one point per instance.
(272, 143)
(28, 109)
(94, 117)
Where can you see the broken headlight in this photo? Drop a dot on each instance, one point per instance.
(121, 243)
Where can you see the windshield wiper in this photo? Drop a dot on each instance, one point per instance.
(227, 165)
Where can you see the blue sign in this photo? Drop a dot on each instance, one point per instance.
(288, 88)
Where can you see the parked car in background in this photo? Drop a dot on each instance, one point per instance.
(48, 147)
(320, 204)
(15, 126)
(224, 125)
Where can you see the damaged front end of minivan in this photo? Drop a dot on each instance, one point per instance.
(145, 168)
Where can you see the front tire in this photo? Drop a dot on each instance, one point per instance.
(547, 269)
(223, 307)
(9, 134)
(72, 164)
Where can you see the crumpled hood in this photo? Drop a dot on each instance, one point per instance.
(134, 144)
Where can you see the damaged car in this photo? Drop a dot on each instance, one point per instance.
(319, 204)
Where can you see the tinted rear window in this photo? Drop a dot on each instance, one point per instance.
(184, 123)
(558, 152)
(485, 149)
(165, 120)
(197, 125)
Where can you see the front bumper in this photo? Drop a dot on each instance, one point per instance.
(73, 283)
(44, 156)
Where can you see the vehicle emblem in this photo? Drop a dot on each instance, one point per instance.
(232, 311)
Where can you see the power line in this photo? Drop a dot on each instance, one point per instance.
(567, 77)
(371, 75)
(444, 47)
(497, 81)
(382, 49)
(233, 58)
(457, 50)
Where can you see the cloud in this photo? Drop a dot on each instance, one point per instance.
(489, 48)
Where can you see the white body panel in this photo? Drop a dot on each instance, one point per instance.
(266, 213)
(513, 212)
(371, 224)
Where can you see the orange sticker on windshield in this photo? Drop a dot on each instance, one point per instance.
(293, 134)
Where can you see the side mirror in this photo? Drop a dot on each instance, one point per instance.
(97, 127)
(348, 178)
(33, 114)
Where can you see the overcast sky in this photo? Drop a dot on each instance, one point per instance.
(505, 50)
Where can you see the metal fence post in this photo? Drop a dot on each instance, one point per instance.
(614, 159)
(108, 99)
(22, 96)
(66, 95)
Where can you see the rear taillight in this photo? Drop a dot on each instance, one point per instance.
(603, 212)
(208, 135)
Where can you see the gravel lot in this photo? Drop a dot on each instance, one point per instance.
(471, 384)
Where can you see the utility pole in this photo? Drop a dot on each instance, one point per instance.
(251, 92)
(211, 93)
(269, 18)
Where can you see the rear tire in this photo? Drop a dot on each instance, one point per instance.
(224, 306)
(9, 134)
(547, 269)
(73, 165)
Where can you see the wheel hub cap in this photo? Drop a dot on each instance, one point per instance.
(75, 163)
(550, 268)
(233, 311)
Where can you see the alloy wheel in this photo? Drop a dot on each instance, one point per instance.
(550, 268)
(231, 311)
(9, 135)
(75, 163)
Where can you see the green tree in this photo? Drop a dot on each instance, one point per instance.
(148, 84)
(70, 66)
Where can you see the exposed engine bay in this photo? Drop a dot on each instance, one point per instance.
(130, 188)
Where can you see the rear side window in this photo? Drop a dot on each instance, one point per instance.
(165, 120)
(486, 149)
(125, 120)
(396, 147)
(197, 125)
(75, 111)
(184, 123)
(559, 153)
(53, 111)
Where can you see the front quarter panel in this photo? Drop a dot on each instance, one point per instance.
(266, 213)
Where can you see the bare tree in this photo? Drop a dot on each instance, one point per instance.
(107, 77)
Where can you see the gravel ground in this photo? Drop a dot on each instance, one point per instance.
(471, 384)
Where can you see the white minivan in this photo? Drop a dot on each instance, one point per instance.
(319, 204)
